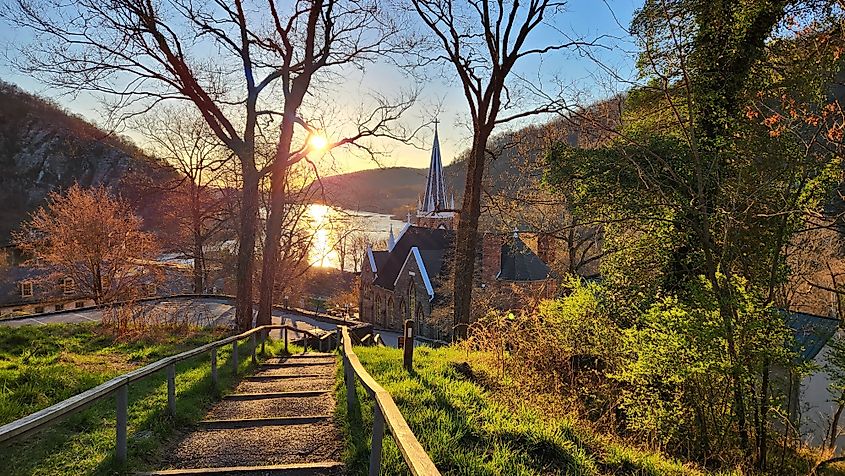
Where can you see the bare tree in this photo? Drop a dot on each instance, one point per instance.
(94, 239)
(484, 41)
(194, 198)
(140, 54)
(316, 38)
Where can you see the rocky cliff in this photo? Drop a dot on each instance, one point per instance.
(44, 148)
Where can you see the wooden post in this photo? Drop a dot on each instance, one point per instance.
(171, 389)
(378, 436)
(214, 367)
(349, 377)
(122, 400)
(408, 351)
(235, 358)
(253, 345)
(285, 331)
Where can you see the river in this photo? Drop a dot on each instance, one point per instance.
(339, 232)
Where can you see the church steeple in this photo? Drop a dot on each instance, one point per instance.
(435, 187)
(435, 208)
(391, 240)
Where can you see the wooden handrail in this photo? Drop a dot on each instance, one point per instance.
(385, 411)
(52, 414)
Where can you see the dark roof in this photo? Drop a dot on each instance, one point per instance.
(426, 239)
(519, 263)
(433, 261)
(811, 332)
(381, 258)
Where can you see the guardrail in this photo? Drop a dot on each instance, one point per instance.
(384, 410)
(120, 386)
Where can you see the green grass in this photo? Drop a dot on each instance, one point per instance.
(466, 432)
(40, 366)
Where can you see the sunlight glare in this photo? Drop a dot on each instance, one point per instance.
(317, 142)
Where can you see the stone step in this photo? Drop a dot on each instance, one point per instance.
(327, 371)
(257, 446)
(225, 424)
(311, 355)
(260, 396)
(264, 377)
(285, 385)
(297, 363)
(310, 404)
(326, 468)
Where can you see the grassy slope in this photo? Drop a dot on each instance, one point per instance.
(466, 432)
(40, 366)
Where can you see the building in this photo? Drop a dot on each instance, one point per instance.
(409, 279)
(810, 401)
(27, 290)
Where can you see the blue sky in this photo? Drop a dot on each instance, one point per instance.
(584, 79)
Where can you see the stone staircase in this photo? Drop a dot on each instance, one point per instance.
(279, 421)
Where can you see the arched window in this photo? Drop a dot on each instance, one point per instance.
(391, 314)
(377, 316)
(403, 310)
(412, 299)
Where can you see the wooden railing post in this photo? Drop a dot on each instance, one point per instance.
(214, 367)
(378, 437)
(171, 389)
(235, 357)
(253, 345)
(285, 332)
(122, 401)
(408, 351)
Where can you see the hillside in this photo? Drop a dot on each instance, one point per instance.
(44, 148)
(392, 190)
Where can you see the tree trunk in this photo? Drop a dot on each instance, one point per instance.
(762, 449)
(467, 239)
(272, 245)
(246, 250)
(273, 231)
(199, 272)
(834, 425)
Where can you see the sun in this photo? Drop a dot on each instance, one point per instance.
(317, 142)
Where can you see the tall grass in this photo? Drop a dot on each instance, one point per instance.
(466, 431)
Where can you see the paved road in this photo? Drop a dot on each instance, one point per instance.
(200, 311)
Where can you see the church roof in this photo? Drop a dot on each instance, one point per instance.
(380, 258)
(425, 239)
(519, 263)
(811, 332)
(435, 187)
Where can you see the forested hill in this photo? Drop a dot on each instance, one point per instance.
(392, 190)
(44, 148)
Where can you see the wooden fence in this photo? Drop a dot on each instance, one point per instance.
(384, 411)
(120, 387)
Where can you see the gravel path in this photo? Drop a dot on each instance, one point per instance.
(263, 446)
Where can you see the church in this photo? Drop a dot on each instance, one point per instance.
(411, 278)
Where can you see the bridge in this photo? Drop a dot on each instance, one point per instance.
(278, 421)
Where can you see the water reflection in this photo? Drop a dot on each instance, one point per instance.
(341, 235)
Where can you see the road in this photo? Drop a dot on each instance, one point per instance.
(200, 311)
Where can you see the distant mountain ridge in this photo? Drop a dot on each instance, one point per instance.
(392, 190)
(44, 148)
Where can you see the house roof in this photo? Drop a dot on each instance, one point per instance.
(425, 239)
(519, 263)
(811, 332)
